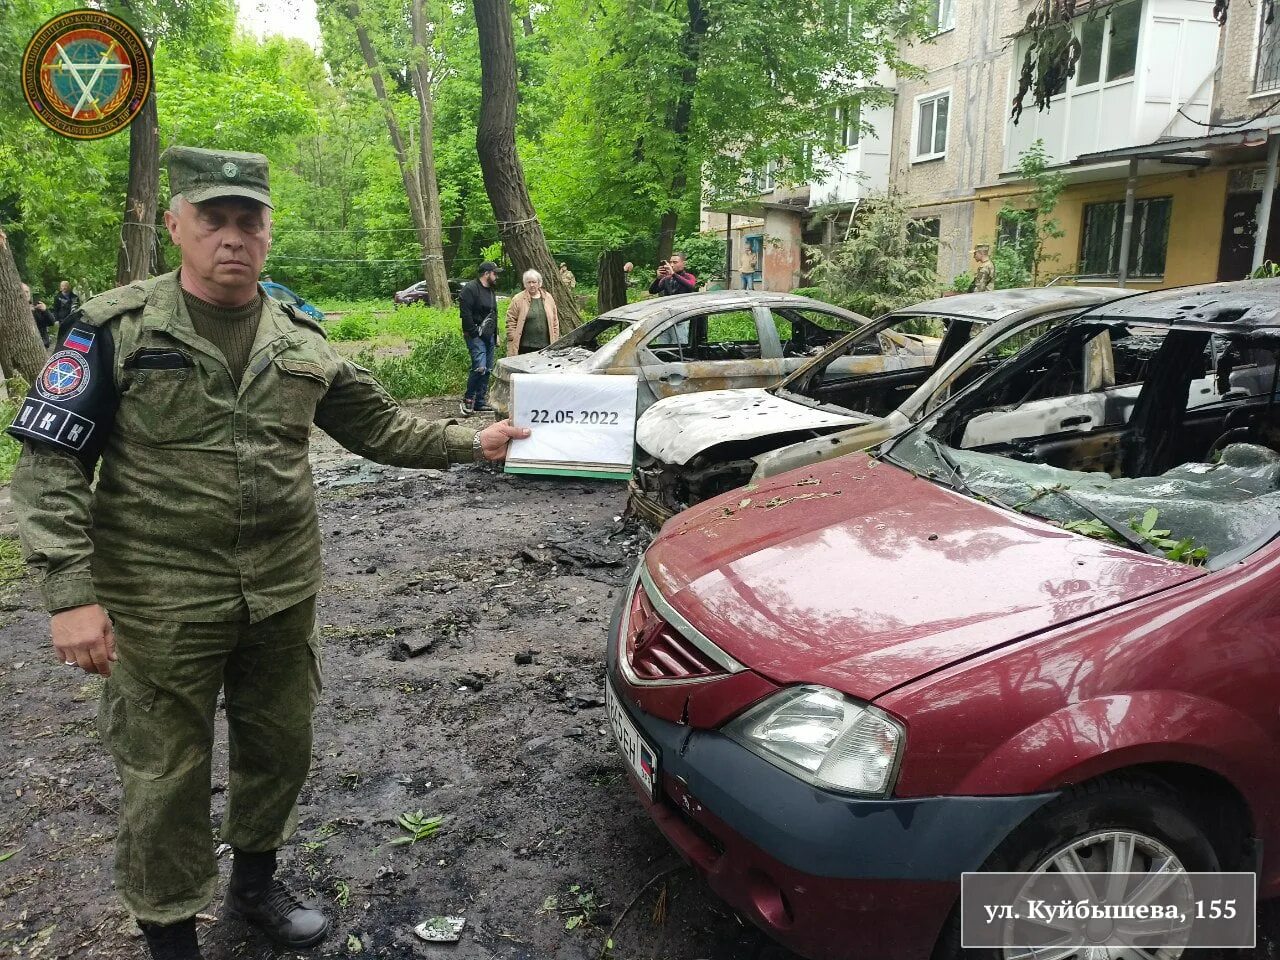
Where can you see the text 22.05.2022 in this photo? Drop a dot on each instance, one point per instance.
(602, 417)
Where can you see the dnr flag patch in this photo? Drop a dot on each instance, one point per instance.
(79, 340)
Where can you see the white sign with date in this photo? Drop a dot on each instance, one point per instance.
(582, 425)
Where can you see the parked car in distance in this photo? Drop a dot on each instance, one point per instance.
(692, 448)
(417, 293)
(278, 291)
(708, 341)
(841, 690)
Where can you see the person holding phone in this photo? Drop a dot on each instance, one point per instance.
(673, 278)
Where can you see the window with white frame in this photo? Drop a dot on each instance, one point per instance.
(930, 139)
(941, 15)
(1266, 74)
(767, 177)
(848, 119)
(1109, 44)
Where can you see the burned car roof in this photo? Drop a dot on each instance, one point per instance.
(715, 299)
(1241, 306)
(998, 304)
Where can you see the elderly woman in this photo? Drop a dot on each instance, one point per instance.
(532, 322)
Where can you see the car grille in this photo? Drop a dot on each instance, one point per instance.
(657, 652)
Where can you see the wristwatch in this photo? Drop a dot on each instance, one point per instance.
(477, 452)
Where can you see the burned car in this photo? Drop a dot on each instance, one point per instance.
(707, 341)
(843, 687)
(692, 448)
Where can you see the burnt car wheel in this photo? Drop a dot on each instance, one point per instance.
(1123, 825)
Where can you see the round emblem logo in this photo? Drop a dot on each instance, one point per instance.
(230, 170)
(86, 74)
(66, 375)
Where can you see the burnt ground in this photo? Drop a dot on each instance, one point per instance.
(436, 583)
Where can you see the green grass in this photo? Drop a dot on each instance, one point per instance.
(9, 447)
(12, 566)
(437, 362)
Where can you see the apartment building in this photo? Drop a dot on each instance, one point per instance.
(1169, 119)
(1161, 126)
(778, 222)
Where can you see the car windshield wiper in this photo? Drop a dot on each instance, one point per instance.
(1120, 529)
(958, 481)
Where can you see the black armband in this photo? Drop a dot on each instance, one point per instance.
(72, 405)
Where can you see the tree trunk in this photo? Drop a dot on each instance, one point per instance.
(612, 292)
(21, 351)
(691, 47)
(433, 270)
(518, 225)
(135, 258)
(407, 175)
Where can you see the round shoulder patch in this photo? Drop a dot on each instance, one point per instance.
(66, 375)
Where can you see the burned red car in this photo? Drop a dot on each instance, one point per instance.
(840, 690)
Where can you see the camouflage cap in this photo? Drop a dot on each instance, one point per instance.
(201, 175)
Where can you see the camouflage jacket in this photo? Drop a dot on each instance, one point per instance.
(204, 504)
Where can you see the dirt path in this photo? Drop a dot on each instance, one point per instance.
(467, 567)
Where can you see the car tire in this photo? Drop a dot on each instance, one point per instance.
(1139, 805)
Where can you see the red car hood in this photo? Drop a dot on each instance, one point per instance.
(859, 576)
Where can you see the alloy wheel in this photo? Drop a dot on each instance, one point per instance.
(1130, 869)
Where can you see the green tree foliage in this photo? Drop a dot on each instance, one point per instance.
(886, 263)
(657, 99)
(1025, 230)
(704, 255)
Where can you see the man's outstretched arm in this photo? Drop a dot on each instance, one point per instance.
(360, 414)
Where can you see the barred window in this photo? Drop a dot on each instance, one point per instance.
(1149, 242)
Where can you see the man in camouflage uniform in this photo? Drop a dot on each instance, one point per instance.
(984, 275)
(191, 567)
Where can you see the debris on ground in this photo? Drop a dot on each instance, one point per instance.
(441, 929)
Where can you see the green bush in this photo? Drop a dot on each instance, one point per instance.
(352, 326)
(438, 365)
(703, 255)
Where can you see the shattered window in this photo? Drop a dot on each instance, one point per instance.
(595, 334)
(806, 333)
(1183, 463)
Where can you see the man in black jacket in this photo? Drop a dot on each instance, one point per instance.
(479, 307)
(40, 314)
(65, 302)
(673, 278)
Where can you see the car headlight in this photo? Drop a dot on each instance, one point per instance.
(825, 738)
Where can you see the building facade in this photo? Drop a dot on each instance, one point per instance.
(1166, 124)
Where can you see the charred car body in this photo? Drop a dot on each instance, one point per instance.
(692, 448)
(706, 341)
(838, 692)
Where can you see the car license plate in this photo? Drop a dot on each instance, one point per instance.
(641, 757)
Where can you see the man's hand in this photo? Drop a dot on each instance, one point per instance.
(83, 636)
(495, 437)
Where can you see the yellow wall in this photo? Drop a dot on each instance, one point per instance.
(1195, 231)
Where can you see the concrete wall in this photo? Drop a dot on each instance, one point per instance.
(973, 61)
(1238, 47)
(1195, 228)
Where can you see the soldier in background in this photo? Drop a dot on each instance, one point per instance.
(191, 568)
(65, 302)
(984, 276)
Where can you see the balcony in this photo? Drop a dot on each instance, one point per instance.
(1145, 73)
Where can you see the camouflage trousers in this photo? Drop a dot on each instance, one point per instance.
(156, 716)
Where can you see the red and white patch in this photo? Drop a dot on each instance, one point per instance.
(66, 375)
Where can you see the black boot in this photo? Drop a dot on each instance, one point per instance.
(174, 941)
(256, 896)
